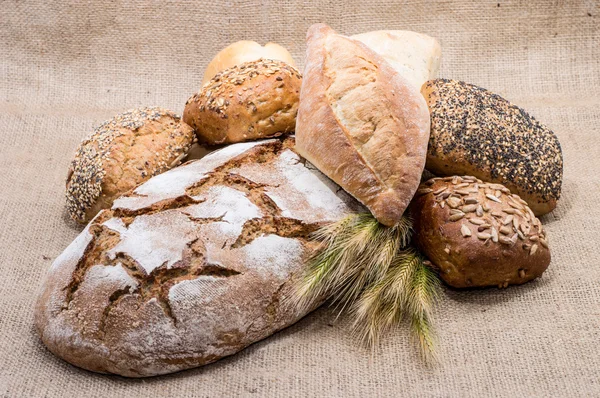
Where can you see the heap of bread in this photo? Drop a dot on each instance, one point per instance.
(178, 268)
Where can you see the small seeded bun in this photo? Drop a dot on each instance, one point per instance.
(250, 101)
(245, 51)
(476, 132)
(122, 153)
(478, 234)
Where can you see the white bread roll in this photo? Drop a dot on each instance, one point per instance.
(245, 51)
(414, 55)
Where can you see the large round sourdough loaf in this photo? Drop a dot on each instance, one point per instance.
(193, 265)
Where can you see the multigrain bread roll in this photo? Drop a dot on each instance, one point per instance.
(475, 132)
(478, 234)
(194, 265)
(122, 153)
(415, 56)
(361, 123)
(254, 100)
(245, 51)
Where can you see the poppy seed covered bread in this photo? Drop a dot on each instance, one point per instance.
(361, 123)
(193, 265)
(478, 233)
(475, 132)
(122, 153)
(253, 100)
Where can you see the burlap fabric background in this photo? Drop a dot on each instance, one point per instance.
(67, 66)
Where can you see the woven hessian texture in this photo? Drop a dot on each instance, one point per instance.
(67, 66)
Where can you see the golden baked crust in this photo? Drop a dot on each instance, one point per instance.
(478, 234)
(361, 123)
(476, 132)
(254, 100)
(122, 153)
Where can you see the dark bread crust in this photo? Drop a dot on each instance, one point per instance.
(476, 132)
(491, 253)
(253, 100)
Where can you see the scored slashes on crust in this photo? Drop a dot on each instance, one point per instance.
(193, 265)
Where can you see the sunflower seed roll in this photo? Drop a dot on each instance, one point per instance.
(476, 132)
(122, 153)
(477, 233)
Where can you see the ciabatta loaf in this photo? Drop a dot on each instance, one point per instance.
(361, 123)
(195, 264)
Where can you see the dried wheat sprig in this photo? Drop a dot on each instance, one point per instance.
(384, 303)
(355, 251)
(369, 268)
(423, 293)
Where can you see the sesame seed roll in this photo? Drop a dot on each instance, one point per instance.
(122, 153)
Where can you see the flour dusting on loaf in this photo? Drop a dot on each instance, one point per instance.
(318, 190)
(152, 240)
(219, 203)
(75, 250)
(171, 186)
(192, 266)
(272, 254)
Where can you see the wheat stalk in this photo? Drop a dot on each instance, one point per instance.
(369, 268)
(424, 291)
